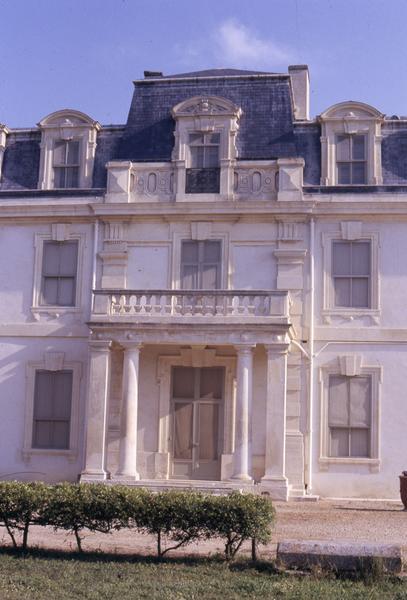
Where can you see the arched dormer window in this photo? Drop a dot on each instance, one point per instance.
(68, 145)
(351, 145)
(205, 134)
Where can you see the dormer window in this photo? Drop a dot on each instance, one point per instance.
(351, 159)
(68, 145)
(205, 147)
(351, 145)
(66, 163)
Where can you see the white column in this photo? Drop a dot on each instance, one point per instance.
(97, 406)
(128, 439)
(242, 455)
(274, 478)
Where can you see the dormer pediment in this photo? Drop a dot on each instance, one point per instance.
(206, 106)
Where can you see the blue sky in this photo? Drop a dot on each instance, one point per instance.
(84, 54)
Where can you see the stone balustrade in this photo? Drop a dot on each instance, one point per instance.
(217, 304)
(256, 180)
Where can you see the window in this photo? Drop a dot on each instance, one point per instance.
(200, 265)
(52, 409)
(351, 273)
(66, 163)
(351, 159)
(349, 416)
(204, 149)
(59, 269)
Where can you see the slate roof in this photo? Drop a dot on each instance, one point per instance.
(265, 128)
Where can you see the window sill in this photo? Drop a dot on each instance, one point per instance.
(372, 463)
(351, 313)
(54, 311)
(28, 453)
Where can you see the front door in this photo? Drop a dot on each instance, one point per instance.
(197, 415)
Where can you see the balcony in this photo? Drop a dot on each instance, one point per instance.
(191, 306)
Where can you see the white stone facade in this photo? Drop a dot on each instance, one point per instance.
(311, 357)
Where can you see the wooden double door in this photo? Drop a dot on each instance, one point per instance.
(197, 401)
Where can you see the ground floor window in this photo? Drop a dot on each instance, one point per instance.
(52, 409)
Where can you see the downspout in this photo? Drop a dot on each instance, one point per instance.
(94, 260)
(308, 474)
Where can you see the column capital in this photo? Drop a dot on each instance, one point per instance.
(100, 345)
(276, 349)
(244, 348)
(129, 346)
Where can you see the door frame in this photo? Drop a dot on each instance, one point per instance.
(196, 356)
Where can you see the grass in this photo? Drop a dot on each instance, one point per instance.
(62, 576)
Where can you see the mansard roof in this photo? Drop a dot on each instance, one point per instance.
(216, 73)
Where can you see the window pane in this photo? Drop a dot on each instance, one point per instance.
(338, 404)
(211, 384)
(360, 398)
(196, 138)
(341, 258)
(342, 148)
(360, 293)
(212, 251)
(359, 173)
(60, 435)
(49, 292)
(208, 431)
(59, 154)
(197, 157)
(358, 147)
(50, 260)
(43, 395)
(62, 395)
(360, 258)
(183, 382)
(359, 442)
(72, 153)
(59, 177)
(344, 173)
(189, 277)
(183, 430)
(66, 292)
(211, 157)
(339, 442)
(42, 434)
(210, 279)
(189, 252)
(68, 256)
(342, 289)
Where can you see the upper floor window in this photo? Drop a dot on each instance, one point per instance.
(205, 144)
(59, 270)
(66, 163)
(351, 145)
(68, 145)
(351, 159)
(201, 265)
(351, 273)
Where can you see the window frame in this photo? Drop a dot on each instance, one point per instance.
(39, 309)
(352, 161)
(200, 263)
(72, 452)
(350, 276)
(329, 310)
(66, 166)
(373, 461)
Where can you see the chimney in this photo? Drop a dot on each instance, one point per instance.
(300, 87)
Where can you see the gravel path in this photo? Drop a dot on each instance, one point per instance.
(356, 521)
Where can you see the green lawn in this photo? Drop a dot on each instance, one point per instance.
(94, 577)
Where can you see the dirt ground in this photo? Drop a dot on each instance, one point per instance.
(357, 521)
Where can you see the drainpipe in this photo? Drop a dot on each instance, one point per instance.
(308, 474)
(94, 261)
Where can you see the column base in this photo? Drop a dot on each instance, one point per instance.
(123, 478)
(242, 477)
(275, 487)
(93, 476)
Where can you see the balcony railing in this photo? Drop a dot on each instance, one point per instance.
(202, 181)
(200, 304)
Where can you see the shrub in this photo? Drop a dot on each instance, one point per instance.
(20, 506)
(95, 507)
(239, 517)
(175, 515)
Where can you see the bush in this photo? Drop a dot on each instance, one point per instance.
(178, 516)
(20, 506)
(85, 506)
(239, 517)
